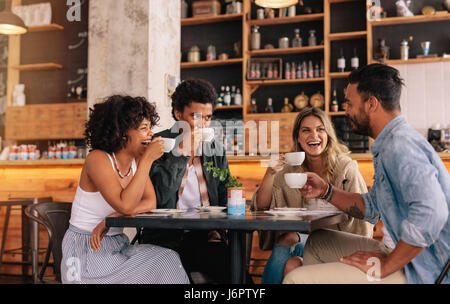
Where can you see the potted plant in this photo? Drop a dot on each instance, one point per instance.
(236, 194)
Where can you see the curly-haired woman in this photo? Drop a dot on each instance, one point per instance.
(114, 182)
(314, 134)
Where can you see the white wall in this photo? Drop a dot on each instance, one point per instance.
(426, 98)
(164, 47)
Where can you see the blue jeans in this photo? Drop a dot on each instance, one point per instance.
(273, 272)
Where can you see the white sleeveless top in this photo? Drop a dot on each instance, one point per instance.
(90, 208)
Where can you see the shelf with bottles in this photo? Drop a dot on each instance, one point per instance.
(347, 35)
(275, 41)
(211, 19)
(210, 63)
(412, 19)
(415, 60)
(346, 56)
(283, 81)
(284, 51)
(287, 20)
(229, 98)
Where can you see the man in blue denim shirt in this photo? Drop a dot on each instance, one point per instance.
(410, 194)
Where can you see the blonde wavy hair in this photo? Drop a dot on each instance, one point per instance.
(333, 149)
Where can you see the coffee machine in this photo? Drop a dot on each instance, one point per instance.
(439, 137)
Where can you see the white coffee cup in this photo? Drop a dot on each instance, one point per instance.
(295, 158)
(295, 180)
(207, 134)
(169, 143)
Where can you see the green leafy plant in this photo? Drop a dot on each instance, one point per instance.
(223, 174)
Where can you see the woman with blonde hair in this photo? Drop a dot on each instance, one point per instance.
(313, 133)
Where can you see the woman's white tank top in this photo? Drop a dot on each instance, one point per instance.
(90, 208)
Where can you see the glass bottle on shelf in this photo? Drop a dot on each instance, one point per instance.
(233, 94)
(219, 101)
(312, 41)
(334, 102)
(238, 97)
(253, 107)
(287, 71)
(252, 71)
(255, 38)
(275, 71)
(299, 70)
(341, 62)
(270, 71)
(293, 71)
(269, 106)
(344, 103)
(258, 71)
(297, 40)
(304, 70)
(227, 98)
(287, 107)
(310, 70)
(354, 62)
(316, 71)
(322, 70)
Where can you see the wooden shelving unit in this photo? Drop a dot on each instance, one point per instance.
(330, 38)
(286, 51)
(46, 28)
(287, 20)
(37, 66)
(212, 63)
(212, 19)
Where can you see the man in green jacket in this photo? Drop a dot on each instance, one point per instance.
(181, 181)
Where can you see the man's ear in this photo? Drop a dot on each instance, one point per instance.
(373, 104)
(177, 114)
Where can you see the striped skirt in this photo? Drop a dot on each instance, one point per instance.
(117, 262)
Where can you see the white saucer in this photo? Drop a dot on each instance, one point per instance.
(289, 209)
(281, 213)
(212, 209)
(168, 210)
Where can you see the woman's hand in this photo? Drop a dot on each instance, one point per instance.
(276, 166)
(97, 235)
(154, 150)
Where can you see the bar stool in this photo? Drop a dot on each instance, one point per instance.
(30, 233)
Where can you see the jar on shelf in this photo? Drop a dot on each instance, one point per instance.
(255, 38)
(193, 54)
(211, 53)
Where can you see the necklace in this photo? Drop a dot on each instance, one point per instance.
(118, 170)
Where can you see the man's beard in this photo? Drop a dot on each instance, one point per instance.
(361, 124)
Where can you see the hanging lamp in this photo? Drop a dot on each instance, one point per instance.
(276, 3)
(10, 23)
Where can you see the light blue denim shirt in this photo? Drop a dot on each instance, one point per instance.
(411, 195)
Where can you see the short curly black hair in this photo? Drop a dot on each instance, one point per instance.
(197, 90)
(110, 120)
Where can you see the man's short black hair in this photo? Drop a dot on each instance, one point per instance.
(381, 81)
(197, 90)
